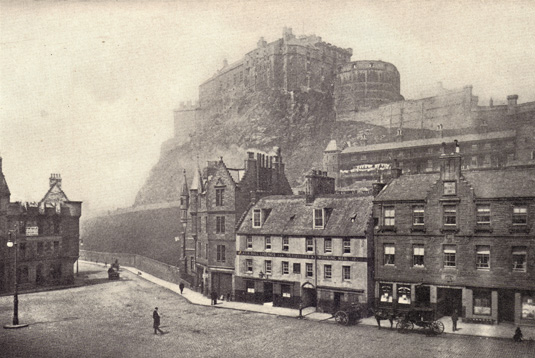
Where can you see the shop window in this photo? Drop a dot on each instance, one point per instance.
(286, 291)
(386, 292)
(249, 240)
(520, 215)
(297, 268)
(285, 243)
(249, 265)
(418, 213)
(389, 216)
(220, 225)
(483, 214)
(309, 272)
(404, 294)
(285, 268)
(483, 257)
(267, 242)
(519, 258)
(327, 271)
(450, 215)
(257, 213)
(418, 255)
(328, 243)
(482, 302)
(347, 246)
(346, 273)
(450, 252)
(389, 254)
(309, 244)
(250, 286)
(528, 306)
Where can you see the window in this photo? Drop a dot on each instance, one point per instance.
(249, 265)
(519, 258)
(297, 268)
(450, 215)
(267, 266)
(250, 286)
(346, 273)
(220, 225)
(449, 255)
(249, 242)
(267, 242)
(285, 267)
(310, 273)
(328, 245)
(389, 254)
(404, 294)
(310, 244)
(347, 246)
(286, 291)
(318, 218)
(285, 243)
(482, 257)
(418, 215)
(418, 255)
(482, 302)
(483, 214)
(257, 218)
(450, 188)
(219, 197)
(327, 271)
(520, 215)
(390, 216)
(386, 292)
(221, 253)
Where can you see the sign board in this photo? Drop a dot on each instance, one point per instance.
(32, 230)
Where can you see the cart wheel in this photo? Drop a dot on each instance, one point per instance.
(438, 327)
(342, 318)
(404, 326)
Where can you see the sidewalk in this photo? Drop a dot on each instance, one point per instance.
(502, 330)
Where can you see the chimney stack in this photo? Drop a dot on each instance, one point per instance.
(55, 179)
(512, 103)
(317, 183)
(450, 166)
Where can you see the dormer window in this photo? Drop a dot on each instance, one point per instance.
(319, 219)
(257, 218)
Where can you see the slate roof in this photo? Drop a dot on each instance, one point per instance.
(507, 183)
(291, 216)
(408, 187)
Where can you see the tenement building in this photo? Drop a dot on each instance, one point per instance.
(458, 240)
(311, 250)
(217, 199)
(46, 234)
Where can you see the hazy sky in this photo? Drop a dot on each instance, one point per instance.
(88, 88)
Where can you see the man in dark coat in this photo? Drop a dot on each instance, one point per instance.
(156, 318)
(213, 295)
(454, 318)
(181, 286)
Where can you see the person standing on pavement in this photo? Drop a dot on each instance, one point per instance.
(181, 286)
(156, 318)
(454, 318)
(213, 295)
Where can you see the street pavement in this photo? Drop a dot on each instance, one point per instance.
(502, 330)
(102, 318)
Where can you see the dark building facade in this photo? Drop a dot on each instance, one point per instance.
(458, 240)
(217, 199)
(311, 250)
(47, 237)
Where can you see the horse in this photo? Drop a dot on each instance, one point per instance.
(381, 314)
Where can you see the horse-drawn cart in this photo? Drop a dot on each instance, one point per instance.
(420, 317)
(351, 314)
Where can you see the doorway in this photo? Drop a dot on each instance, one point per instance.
(506, 306)
(448, 300)
(309, 297)
(336, 301)
(268, 292)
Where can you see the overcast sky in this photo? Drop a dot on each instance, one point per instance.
(88, 88)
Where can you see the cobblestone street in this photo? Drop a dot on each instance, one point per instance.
(114, 319)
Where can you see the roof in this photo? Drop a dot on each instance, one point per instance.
(332, 146)
(4, 189)
(55, 194)
(507, 183)
(292, 216)
(408, 187)
(196, 182)
(430, 141)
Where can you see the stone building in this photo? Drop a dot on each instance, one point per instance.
(458, 240)
(217, 199)
(314, 249)
(47, 236)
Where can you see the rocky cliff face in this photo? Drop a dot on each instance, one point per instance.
(300, 123)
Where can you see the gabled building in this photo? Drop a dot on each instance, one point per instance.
(457, 240)
(217, 199)
(314, 249)
(47, 236)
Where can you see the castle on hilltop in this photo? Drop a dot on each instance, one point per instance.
(292, 64)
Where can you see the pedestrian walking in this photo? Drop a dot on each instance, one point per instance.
(454, 318)
(518, 335)
(181, 286)
(213, 295)
(156, 317)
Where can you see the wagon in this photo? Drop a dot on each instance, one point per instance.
(420, 317)
(350, 315)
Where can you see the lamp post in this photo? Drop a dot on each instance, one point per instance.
(12, 242)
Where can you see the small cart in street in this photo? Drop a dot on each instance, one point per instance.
(350, 315)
